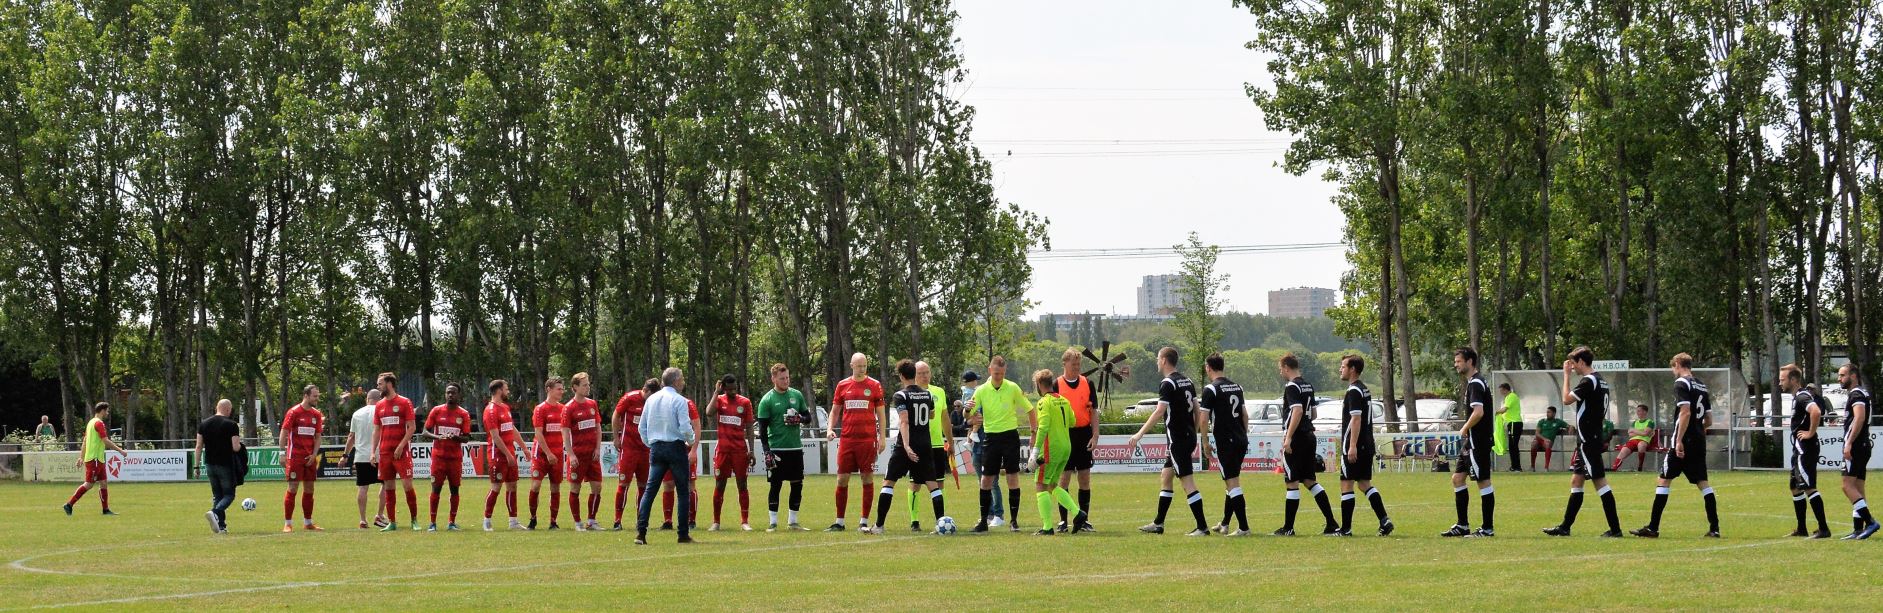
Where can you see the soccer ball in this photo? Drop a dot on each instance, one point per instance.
(945, 526)
(248, 504)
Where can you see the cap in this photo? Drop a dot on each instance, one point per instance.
(970, 376)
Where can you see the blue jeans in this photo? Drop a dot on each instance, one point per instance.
(998, 509)
(666, 457)
(222, 488)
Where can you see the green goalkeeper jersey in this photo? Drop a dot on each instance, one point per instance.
(1053, 442)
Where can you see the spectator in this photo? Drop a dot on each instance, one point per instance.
(1547, 429)
(362, 449)
(218, 440)
(668, 431)
(1640, 439)
(46, 429)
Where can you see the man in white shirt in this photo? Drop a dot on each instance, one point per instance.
(362, 447)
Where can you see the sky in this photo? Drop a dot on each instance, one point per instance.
(1125, 124)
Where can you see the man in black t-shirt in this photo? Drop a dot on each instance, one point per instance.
(1806, 414)
(1177, 406)
(218, 444)
(1474, 448)
(1693, 414)
(1856, 452)
(910, 453)
(1229, 424)
(1356, 447)
(1300, 459)
(1590, 399)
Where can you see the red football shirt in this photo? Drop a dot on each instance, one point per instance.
(859, 400)
(582, 420)
(300, 431)
(445, 421)
(395, 417)
(628, 414)
(735, 416)
(547, 419)
(499, 425)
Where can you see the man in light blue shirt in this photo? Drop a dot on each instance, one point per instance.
(667, 428)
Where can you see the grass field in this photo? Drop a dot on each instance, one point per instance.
(159, 554)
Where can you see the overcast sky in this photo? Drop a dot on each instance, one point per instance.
(1124, 122)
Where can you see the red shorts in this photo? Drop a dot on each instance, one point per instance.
(502, 471)
(632, 466)
(731, 462)
(856, 455)
(540, 468)
(394, 469)
(586, 468)
(298, 470)
(94, 472)
(448, 468)
(1635, 444)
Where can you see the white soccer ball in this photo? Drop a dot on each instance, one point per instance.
(248, 504)
(945, 526)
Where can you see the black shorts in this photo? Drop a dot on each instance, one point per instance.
(1859, 461)
(1299, 466)
(1229, 455)
(1693, 466)
(1587, 460)
(1359, 470)
(1080, 458)
(365, 474)
(1002, 452)
(900, 465)
(1474, 461)
(1181, 448)
(1804, 464)
(937, 463)
(790, 466)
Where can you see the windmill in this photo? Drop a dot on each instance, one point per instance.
(1113, 367)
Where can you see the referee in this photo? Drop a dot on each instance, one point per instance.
(996, 408)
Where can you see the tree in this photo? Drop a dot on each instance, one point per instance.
(1201, 289)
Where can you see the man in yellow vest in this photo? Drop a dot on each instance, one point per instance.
(92, 458)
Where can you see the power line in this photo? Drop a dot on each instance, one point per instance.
(1133, 253)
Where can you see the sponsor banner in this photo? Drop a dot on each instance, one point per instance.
(1831, 449)
(138, 466)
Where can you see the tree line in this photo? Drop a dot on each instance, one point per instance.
(1641, 176)
(239, 199)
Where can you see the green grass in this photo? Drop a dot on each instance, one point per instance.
(158, 554)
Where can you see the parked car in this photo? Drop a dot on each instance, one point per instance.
(1141, 409)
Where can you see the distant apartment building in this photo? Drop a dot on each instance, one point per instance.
(1160, 296)
(1303, 302)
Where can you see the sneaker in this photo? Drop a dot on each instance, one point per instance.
(617, 527)
(1239, 533)
(387, 528)
(1615, 534)
(1483, 533)
(581, 527)
(1869, 531)
(685, 539)
(915, 526)
(772, 528)
(432, 528)
(415, 527)
(379, 521)
(1198, 532)
(108, 512)
(594, 526)
(835, 528)
(363, 525)
(745, 527)
(287, 529)
(517, 525)
(1087, 527)
(1386, 528)
(531, 525)
(876, 530)
(1456, 530)
(555, 526)
(979, 527)
(451, 527)
(1645, 532)
(1044, 532)
(797, 527)
(1821, 534)
(863, 526)
(996, 522)
(1341, 533)
(640, 540)
(68, 509)
(1283, 532)
(713, 528)
(313, 528)
(1151, 528)
(1799, 533)
(1557, 531)
(1220, 528)
(487, 524)
(215, 525)
(1014, 528)
(1061, 527)
(666, 525)
(1329, 530)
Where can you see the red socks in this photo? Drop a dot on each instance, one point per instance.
(868, 486)
(490, 503)
(535, 496)
(287, 506)
(843, 502)
(307, 502)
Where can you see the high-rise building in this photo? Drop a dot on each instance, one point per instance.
(1304, 302)
(1160, 295)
